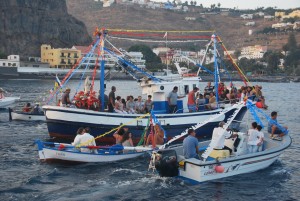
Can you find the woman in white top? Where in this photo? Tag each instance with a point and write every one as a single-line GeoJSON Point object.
{"type": "Point", "coordinates": [139, 105]}
{"type": "Point", "coordinates": [130, 105]}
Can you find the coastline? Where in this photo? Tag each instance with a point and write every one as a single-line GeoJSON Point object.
{"type": "Point", "coordinates": [12, 73]}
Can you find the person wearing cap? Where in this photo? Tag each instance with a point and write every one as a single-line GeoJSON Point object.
{"type": "Point", "coordinates": [172, 100]}
{"type": "Point", "coordinates": [65, 99]}
{"type": "Point", "coordinates": [190, 145]}
{"type": "Point", "coordinates": [192, 100]}
{"type": "Point", "coordinates": [218, 137]}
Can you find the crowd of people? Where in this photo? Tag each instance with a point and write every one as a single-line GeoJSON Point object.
{"type": "Point", "coordinates": [197, 100]}
{"type": "Point", "coordinates": [130, 105]}
{"type": "Point", "coordinates": [255, 138]}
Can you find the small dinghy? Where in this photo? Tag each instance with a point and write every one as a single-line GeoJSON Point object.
{"type": "Point", "coordinates": [219, 163]}
{"type": "Point", "coordinates": [51, 151]}
{"type": "Point", "coordinates": [25, 116]}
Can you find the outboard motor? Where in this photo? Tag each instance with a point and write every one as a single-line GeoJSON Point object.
{"type": "Point", "coordinates": [166, 163]}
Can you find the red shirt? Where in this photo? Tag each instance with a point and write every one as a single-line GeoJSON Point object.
{"type": "Point", "coordinates": [191, 98]}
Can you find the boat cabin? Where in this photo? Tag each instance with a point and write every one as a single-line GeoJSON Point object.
{"type": "Point", "coordinates": [160, 90]}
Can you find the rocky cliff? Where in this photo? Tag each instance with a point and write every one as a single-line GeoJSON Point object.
{"type": "Point", "coordinates": [26, 24]}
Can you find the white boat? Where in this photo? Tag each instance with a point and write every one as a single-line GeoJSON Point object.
{"type": "Point", "coordinates": [25, 116]}
{"type": "Point", "coordinates": [219, 164]}
{"type": "Point", "coordinates": [63, 122]}
{"type": "Point", "coordinates": [50, 151]}
{"type": "Point", "coordinates": [6, 101]}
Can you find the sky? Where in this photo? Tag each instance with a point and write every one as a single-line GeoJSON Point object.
{"type": "Point", "coordinates": [251, 4]}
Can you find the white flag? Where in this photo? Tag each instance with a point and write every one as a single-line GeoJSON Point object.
{"type": "Point", "coordinates": [166, 34]}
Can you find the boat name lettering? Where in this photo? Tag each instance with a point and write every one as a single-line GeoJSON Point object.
{"type": "Point", "coordinates": [210, 172]}
{"type": "Point", "coordinates": [60, 154]}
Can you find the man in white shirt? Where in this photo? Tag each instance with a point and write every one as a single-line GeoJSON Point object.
{"type": "Point", "coordinates": [252, 139]}
{"type": "Point", "coordinates": [85, 139]}
{"type": "Point", "coordinates": [218, 137]}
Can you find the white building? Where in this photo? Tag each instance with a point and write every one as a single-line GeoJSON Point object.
{"type": "Point", "coordinates": [11, 61]}
{"type": "Point", "coordinates": [250, 23]}
{"type": "Point", "coordinates": [269, 17]}
{"type": "Point", "coordinates": [253, 52]}
{"type": "Point", "coordinates": [247, 16]}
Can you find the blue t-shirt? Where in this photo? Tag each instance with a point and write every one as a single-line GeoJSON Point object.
{"type": "Point", "coordinates": [270, 124]}
{"type": "Point", "coordinates": [189, 147]}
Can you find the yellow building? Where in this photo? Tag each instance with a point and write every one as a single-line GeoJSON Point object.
{"type": "Point", "coordinates": [59, 58]}
{"type": "Point", "coordinates": [295, 13]}
{"type": "Point", "coordinates": [279, 14]}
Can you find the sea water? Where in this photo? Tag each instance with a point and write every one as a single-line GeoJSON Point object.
{"type": "Point", "coordinates": [24, 177]}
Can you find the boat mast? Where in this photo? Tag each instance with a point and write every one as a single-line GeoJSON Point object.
{"type": "Point", "coordinates": [216, 74]}
{"type": "Point", "coordinates": [102, 34]}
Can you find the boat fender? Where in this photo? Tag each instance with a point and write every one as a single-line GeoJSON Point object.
{"type": "Point", "coordinates": [219, 169]}
{"type": "Point", "coordinates": [259, 104]}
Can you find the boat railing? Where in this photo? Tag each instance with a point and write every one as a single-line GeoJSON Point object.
{"type": "Point", "coordinates": [202, 107]}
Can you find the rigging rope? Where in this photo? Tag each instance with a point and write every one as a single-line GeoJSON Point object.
{"type": "Point", "coordinates": [142, 140]}
{"type": "Point", "coordinates": [253, 109]}
{"type": "Point", "coordinates": [73, 70]}
{"type": "Point", "coordinates": [157, 41]}
{"type": "Point", "coordinates": [242, 75]}
{"type": "Point", "coordinates": [162, 31]}
{"type": "Point", "coordinates": [114, 129]}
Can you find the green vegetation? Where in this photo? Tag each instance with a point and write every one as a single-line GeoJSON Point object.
{"type": "Point", "coordinates": [3, 55]}
{"type": "Point", "coordinates": [153, 62]}
{"type": "Point", "coordinates": [292, 59]}
{"type": "Point", "coordinates": [291, 20]}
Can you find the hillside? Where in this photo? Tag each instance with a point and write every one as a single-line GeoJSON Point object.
{"type": "Point", "coordinates": [231, 29]}
{"type": "Point", "coordinates": [26, 24]}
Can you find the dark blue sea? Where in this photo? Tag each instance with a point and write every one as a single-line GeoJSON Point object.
{"type": "Point", "coordinates": [24, 177]}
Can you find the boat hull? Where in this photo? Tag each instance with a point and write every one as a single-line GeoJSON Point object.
{"type": "Point", "coordinates": [64, 122]}
{"type": "Point", "coordinates": [21, 116]}
{"type": "Point", "coordinates": [195, 171]}
{"type": "Point", "coordinates": [4, 102]}
{"type": "Point", "coordinates": [47, 154]}
{"type": "Point", "coordinates": [68, 153]}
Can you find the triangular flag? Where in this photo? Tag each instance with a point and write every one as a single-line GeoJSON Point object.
{"type": "Point", "coordinates": [166, 34]}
